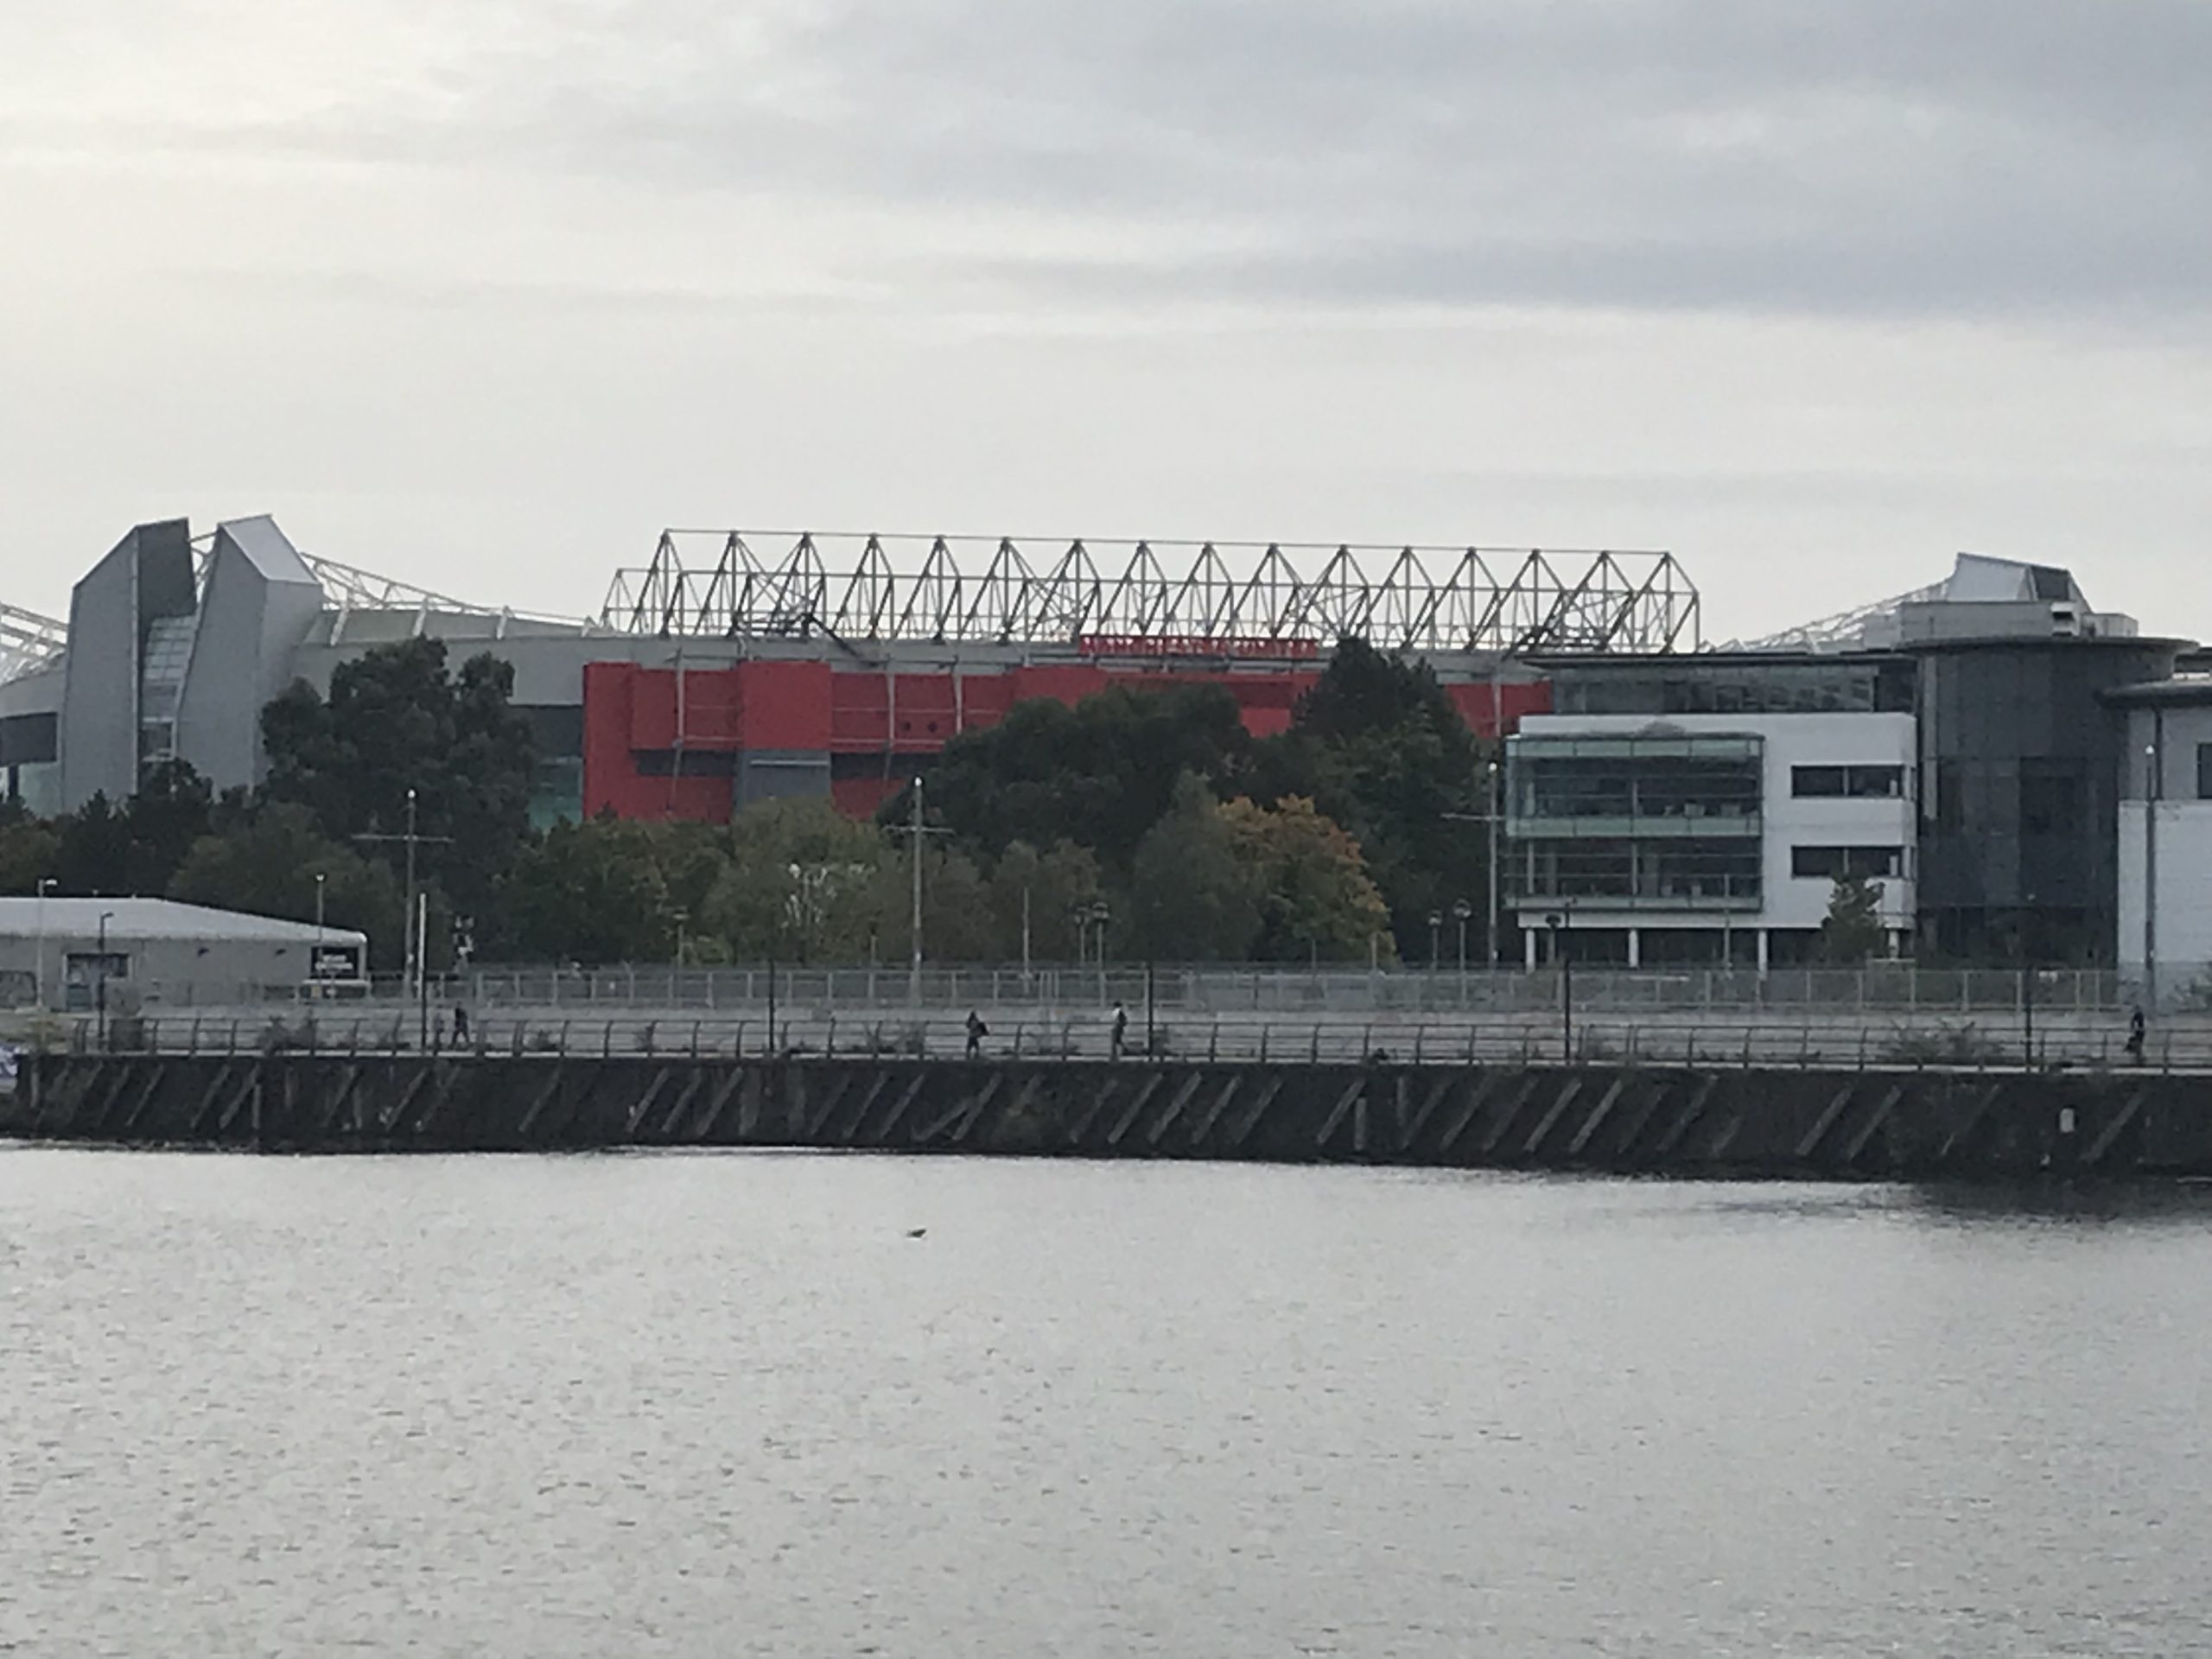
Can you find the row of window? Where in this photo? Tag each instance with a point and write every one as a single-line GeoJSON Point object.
{"type": "Point", "coordinates": [1848, 783]}
{"type": "Point", "coordinates": [1836, 863]}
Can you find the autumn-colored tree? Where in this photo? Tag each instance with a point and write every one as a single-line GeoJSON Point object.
{"type": "Point", "coordinates": [1317, 901]}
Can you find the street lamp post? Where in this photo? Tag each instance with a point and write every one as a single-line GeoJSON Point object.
{"type": "Point", "coordinates": [314, 963]}
{"type": "Point", "coordinates": [2152, 784]}
{"type": "Point", "coordinates": [1460, 913]}
{"type": "Point", "coordinates": [100, 992]}
{"type": "Point", "coordinates": [1488, 817]}
{"type": "Point", "coordinates": [918, 829]}
{"type": "Point", "coordinates": [1556, 922]}
{"type": "Point", "coordinates": [38, 993]}
{"type": "Point", "coordinates": [1435, 939]}
{"type": "Point", "coordinates": [914, 972]}
{"type": "Point", "coordinates": [1489, 923]}
{"type": "Point", "coordinates": [1100, 915]}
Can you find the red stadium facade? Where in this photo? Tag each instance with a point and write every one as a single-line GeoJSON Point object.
{"type": "Point", "coordinates": [669, 742]}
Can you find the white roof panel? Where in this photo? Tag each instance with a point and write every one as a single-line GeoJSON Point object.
{"type": "Point", "coordinates": [157, 918]}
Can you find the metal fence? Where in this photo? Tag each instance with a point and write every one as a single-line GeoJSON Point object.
{"type": "Point", "coordinates": [1883, 989]}
{"type": "Point", "coordinates": [1775, 1040]}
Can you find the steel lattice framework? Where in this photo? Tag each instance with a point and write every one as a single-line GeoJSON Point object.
{"type": "Point", "coordinates": [786, 584]}
{"type": "Point", "coordinates": [27, 640]}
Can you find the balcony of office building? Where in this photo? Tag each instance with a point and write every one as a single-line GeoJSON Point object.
{"type": "Point", "coordinates": [1634, 788]}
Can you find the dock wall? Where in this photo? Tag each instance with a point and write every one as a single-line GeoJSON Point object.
{"type": "Point", "coordinates": [1856, 1123]}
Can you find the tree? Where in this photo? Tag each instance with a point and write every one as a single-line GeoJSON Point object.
{"type": "Point", "coordinates": [93, 854]}
{"type": "Point", "coordinates": [1192, 898]}
{"type": "Point", "coordinates": [1100, 774]}
{"type": "Point", "coordinates": [1378, 747]}
{"type": "Point", "coordinates": [29, 851]}
{"type": "Point", "coordinates": [1853, 931]}
{"type": "Point", "coordinates": [173, 809]}
{"type": "Point", "coordinates": [801, 881]}
{"type": "Point", "coordinates": [268, 867]}
{"type": "Point", "coordinates": [1316, 899]}
{"type": "Point", "coordinates": [591, 892]}
{"type": "Point", "coordinates": [394, 721]}
{"type": "Point", "coordinates": [1051, 886]}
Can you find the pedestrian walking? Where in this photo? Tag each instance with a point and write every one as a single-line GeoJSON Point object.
{"type": "Point", "coordinates": [460, 1025]}
{"type": "Point", "coordinates": [2135, 1033]}
{"type": "Point", "coordinates": [977, 1031]}
{"type": "Point", "coordinates": [1121, 1029]}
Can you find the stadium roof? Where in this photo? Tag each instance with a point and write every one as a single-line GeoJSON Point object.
{"type": "Point", "coordinates": [1975, 579]}
{"type": "Point", "coordinates": [27, 640]}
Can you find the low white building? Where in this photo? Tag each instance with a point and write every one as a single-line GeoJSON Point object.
{"type": "Point", "coordinates": [1675, 832]}
{"type": "Point", "coordinates": [64, 953]}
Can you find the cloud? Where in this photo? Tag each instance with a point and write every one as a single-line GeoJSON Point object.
{"type": "Point", "coordinates": [1896, 157]}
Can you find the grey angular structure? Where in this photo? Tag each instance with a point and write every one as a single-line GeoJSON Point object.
{"type": "Point", "coordinates": [145, 580]}
{"type": "Point", "coordinates": [257, 602]}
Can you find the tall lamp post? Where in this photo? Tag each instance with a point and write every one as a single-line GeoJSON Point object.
{"type": "Point", "coordinates": [100, 992]}
{"type": "Point", "coordinates": [1100, 915]}
{"type": "Point", "coordinates": [1460, 913]}
{"type": "Point", "coordinates": [38, 993]}
{"type": "Point", "coordinates": [1488, 817]}
{"type": "Point", "coordinates": [1556, 922]}
{"type": "Point", "coordinates": [919, 830]}
{"type": "Point", "coordinates": [1490, 922]}
{"type": "Point", "coordinates": [2152, 784]}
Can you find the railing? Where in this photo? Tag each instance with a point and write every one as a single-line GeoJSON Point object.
{"type": "Point", "coordinates": [1842, 1041]}
{"type": "Point", "coordinates": [1880, 989]}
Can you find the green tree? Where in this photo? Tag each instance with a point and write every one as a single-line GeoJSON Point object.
{"type": "Point", "coordinates": [802, 880]}
{"type": "Point", "coordinates": [1100, 774]}
{"type": "Point", "coordinates": [93, 854]}
{"type": "Point", "coordinates": [1052, 884]}
{"type": "Point", "coordinates": [1852, 931]}
{"type": "Point", "coordinates": [1192, 897]}
{"type": "Point", "coordinates": [1315, 899]}
{"type": "Point", "coordinates": [394, 721]}
{"type": "Point", "coordinates": [593, 892]}
{"type": "Point", "coordinates": [957, 925]}
{"type": "Point", "coordinates": [267, 866]}
{"type": "Point", "coordinates": [30, 849]}
{"type": "Point", "coordinates": [173, 809]}
{"type": "Point", "coordinates": [1378, 747]}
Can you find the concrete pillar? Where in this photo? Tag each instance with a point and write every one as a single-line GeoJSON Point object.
{"type": "Point", "coordinates": [1763, 950]}
{"type": "Point", "coordinates": [1528, 947]}
{"type": "Point", "coordinates": [1636, 947]}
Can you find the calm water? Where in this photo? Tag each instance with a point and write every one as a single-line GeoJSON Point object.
{"type": "Point", "coordinates": [713, 1405]}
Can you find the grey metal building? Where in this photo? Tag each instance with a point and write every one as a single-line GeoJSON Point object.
{"type": "Point", "coordinates": [57, 953]}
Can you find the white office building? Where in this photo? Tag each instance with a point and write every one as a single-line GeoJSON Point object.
{"type": "Point", "coordinates": [1700, 811]}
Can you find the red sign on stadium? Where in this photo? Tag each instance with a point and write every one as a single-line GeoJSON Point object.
{"type": "Point", "coordinates": [1196, 645]}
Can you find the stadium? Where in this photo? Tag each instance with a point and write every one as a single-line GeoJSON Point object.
{"type": "Point", "coordinates": [1989, 748]}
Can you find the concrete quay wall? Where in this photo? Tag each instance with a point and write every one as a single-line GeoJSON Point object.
{"type": "Point", "coordinates": [1855, 1123]}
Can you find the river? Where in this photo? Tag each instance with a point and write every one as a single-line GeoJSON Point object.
{"type": "Point", "coordinates": [725, 1404]}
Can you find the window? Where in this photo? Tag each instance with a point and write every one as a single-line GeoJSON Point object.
{"type": "Point", "coordinates": [2204, 772]}
{"type": "Point", "coordinates": [1852, 783]}
{"type": "Point", "coordinates": [1834, 863]}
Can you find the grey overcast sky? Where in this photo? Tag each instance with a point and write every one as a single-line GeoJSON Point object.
{"type": "Point", "coordinates": [483, 293]}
